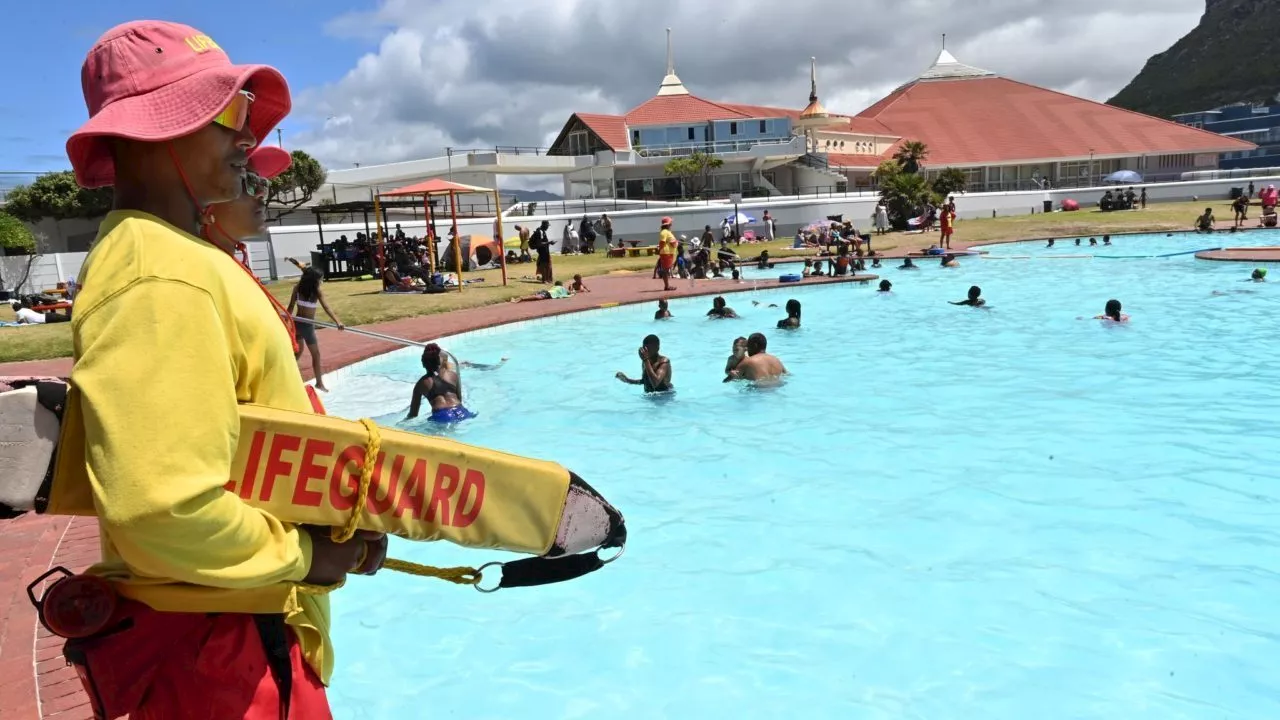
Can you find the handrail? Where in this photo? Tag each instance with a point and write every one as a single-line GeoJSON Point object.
{"type": "Point", "coordinates": [710, 148]}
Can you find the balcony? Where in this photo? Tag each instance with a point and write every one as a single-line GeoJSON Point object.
{"type": "Point", "coordinates": [726, 150]}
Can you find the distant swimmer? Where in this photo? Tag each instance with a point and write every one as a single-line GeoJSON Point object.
{"type": "Point", "coordinates": [886, 286]}
{"type": "Point", "coordinates": [441, 387]}
{"type": "Point", "coordinates": [949, 260]}
{"type": "Point", "coordinates": [719, 309]}
{"type": "Point", "coordinates": [908, 265]}
{"type": "Point", "coordinates": [1259, 275]}
{"type": "Point", "coordinates": [758, 364]}
{"type": "Point", "coordinates": [1111, 313]}
{"type": "Point", "coordinates": [654, 367]}
{"type": "Point", "coordinates": [1050, 243]}
{"type": "Point", "coordinates": [736, 357]}
{"type": "Point", "coordinates": [664, 312]}
{"type": "Point", "coordinates": [792, 321]}
{"type": "Point", "coordinates": [974, 299]}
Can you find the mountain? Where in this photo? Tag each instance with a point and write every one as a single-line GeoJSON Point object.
{"type": "Point", "coordinates": [1228, 58]}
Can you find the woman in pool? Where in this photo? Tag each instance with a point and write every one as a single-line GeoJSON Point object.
{"type": "Point", "coordinates": [441, 388]}
{"type": "Point", "coordinates": [974, 299]}
{"type": "Point", "coordinates": [720, 310]}
{"type": "Point", "coordinates": [792, 321]}
{"type": "Point", "coordinates": [736, 356]}
{"type": "Point", "coordinates": [306, 296]}
{"type": "Point", "coordinates": [664, 312]}
{"type": "Point", "coordinates": [1111, 313]}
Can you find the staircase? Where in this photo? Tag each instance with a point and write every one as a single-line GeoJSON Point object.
{"type": "Point", "coordinates": [817, 162]}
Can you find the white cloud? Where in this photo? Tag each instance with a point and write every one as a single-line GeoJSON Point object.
{"type": "Point", "coordinates": [479, 73]}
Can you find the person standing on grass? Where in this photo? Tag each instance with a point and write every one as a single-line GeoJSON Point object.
{"type": "Point", "coordinates": [541, 244]}
{"type": "Point", "coordinates": [209, 619]}
{"type": "Point", "coordinates": [666, 253]}
{"type": "Point", "coordinates": [306, 295]}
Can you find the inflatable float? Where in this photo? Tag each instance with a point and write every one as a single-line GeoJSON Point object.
{"type": "Point", "coordinates": [349, 475]}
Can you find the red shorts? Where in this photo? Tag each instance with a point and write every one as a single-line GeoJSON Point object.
{"type": "Point", "coordinates": [666, 261]}
{"type": "Point", "coordinates": [196, 666]}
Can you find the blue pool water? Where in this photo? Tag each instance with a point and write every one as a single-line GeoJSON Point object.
{"type": "Point", "coordinates": [944, 513]}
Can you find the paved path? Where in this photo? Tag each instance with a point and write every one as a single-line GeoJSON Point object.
{"type": "Point", "coordinates": [35, 681]}
{"type": "Point", "coordinates": [1256, 254]}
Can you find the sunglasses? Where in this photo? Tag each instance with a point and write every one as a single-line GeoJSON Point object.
{"type": "Point", "coordinates": [256, 185]}
{"type": "Point", "coordinates": [236, 113]}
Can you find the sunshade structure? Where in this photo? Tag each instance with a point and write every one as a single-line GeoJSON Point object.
{"type": "Point", "coordinates": [436, 187]}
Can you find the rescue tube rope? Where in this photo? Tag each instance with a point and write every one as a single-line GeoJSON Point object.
{"type": "Point", "coordinates": [457, 575]}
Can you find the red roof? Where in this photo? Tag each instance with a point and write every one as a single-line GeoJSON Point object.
{"type": "Point", "coordinates": [993, 120]}
{"type": "Point", "coordinates": [611, 129]}
{"type": "Point", "coordinates": [672, 109]}
{"type": "Point", "coordinates": [763, 111]}
{"type": "Point", "coordinates": [857, 161]}
{"type": "Point", "coordinates": [435, 186]}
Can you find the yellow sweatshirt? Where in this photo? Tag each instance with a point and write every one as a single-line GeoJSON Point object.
{"type": "Point", "coordinates": [170, 335]}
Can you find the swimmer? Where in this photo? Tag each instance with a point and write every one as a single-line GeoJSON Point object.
{"type": "Point", "coordinates": [792, 320]}
{"type": "Point", "coordinates": [1077, 242]}
{"type": "Point", "coordinates": [1050, 243]}
{"type": "Point", "coordinates": [758, 365]}
{"type": "Point", "coordinates": [1258, 275]}
{"type": "Point", "coordinates": [655, 368]}
{"type": "Point", "coordinates": [736, 356]}
{"type": "Point", "coordinates": [885, 286]}
{"type": "Point", "coordinates": [441, 387]}
{"type": "Point", "coordinates": [1111, 313]}
{"type": "Point", "coordinates": [664, 312]}
{"type": "Point", "coordinates": [974, 300]}
{"type": "Point", "coordinates": [720, 310]}
{"type": "Point", "coordinates": [908, 265]}
{"type": "Point", "coordinates": [1093, 241]}
{"type": "Point", "coordinates": [949, 261]}
{"type": "Point", "coordinates": [1106, 240]}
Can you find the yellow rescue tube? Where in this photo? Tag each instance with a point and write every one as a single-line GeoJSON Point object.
{"type": "Point", "coordinates": [306, 469]}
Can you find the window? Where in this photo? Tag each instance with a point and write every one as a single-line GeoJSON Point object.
{"type": "Point", "coordinates": [579, 143]}
{"type": "Point", "coordinates": [691, 133]}
{"type": "Point", "coordinates": [635, 137]}
{"type": "Point", "coordinates": [763, 124]}
{"type": "Point", "coordinates": [733, 128]}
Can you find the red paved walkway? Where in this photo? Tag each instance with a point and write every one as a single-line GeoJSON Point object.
{"type": "Point", "coordinates": [35, 681]}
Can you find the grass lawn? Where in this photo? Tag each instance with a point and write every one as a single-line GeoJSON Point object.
{"type": "Point", "coordinates": [362, 303]}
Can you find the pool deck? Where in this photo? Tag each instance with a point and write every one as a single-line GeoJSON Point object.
{"type": "Point", "coordinates": [1242, 254]}
{"type": "Point", "coordinates": [36, 683]}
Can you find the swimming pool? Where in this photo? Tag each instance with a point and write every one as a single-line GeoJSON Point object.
{"type": "Point", "coordinates": [944, 513]}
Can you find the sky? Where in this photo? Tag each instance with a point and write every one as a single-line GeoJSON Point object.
{"type": "Point", "coordinates": [386, 80]}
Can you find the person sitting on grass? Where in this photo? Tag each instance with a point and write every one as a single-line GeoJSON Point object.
{"type": "Point", "coordinates": [557, 292]}
{"type": "Point", "coordinates": [974, 299]}
{"type": "Point", "coordinates": [721, 310]}
{"type": "Point", "coordinates": [654, 367]}
{"type": "Point", "coordinates": [578, 286]}
{"type": "Point", "coordinates": [664, 312]}
{"type": "Point", "coordinates": [792, 321]}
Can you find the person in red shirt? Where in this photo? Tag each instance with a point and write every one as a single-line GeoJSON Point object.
{"type": "Point", "coordinates": [948, 226]}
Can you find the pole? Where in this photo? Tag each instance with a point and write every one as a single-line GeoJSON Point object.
{"type": "Point", "coordinates": [358, 331]}
{"type": "Point", "coordinates": [382, 252]}
{"type": "Point", "coordinates": [279, 139]}
{"type": "Point", "coordinates": [457, 241]}
{"type": "Point", "coordinates": [736, 232]}
{"type": "Point", "coordinates": [449, 153]}
{"type": "Point", "coordinates": [497, 234]}
{"type": "Point", "coordinates": [431, 241]}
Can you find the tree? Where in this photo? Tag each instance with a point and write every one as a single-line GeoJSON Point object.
{"type": "Point", "coordinates": [16, 239]}
{"type": "Point", "coordinates": [56, 195]}
{"type": "Point", "coordinates": [904, 194]}
{"type": "Point", "coordinates": [950, 181]}
{"type": "Point", "coordinates": [911, 156]}
{"type": "Point", "coordinates": [693, 170]}
{"type": "Point", "coordinates": [295, 186]}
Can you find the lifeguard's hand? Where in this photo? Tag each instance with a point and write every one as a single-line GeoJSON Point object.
{"type": "Point", "coordinates": [332, 561]}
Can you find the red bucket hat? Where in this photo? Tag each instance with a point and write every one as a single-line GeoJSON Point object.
{"type": "Point", "coordinates": [268, 161]}
{"type": "Point", "coordinates": [666, 221]}
{"type": "Point", "coordinates": [155, 81]}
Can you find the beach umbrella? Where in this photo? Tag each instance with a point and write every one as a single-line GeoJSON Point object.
{"type": "Point", "coordinates": [739, 219]}
{"type": "Point", "coordinates": [1123, 177]}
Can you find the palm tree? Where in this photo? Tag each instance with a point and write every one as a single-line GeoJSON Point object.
{"type": "Point", "coordinates": [911, 156]}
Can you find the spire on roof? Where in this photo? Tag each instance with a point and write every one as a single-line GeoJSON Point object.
{"type": "Point", "coordinates": [671, 84]}
{"type": "Point", "coordinates": [815, 109]}
{"type": "Point", "coordinates": [946, 67]}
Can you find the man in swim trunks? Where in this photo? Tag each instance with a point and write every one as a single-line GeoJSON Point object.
{"type": "Point", "coordinates": [720, 309]}
{"type": "Point", "coordinates": [758, 364]}
{"type": "Point", "coordinates": [441, 387]}
{"type": "Point", "coordinates": [167, 316]}
{"type": "Point", "coordinates": [974, 299]}
{"type": "Point", "coordinates": [666, 253]}
{"type": "Point", "coordinates": [655, 368]}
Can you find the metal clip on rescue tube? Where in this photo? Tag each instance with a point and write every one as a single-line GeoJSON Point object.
{"type": "Point", "coordinates": [311, 469]}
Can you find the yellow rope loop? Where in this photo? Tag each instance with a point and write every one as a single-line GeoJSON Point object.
{"type": "Point", "coordinates": [457, 575]}
{"type": "Point", "coordinates": [372, 447]}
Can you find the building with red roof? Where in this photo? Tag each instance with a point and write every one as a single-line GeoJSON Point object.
{"type": "Point", "coordinates": [1002, 133]}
